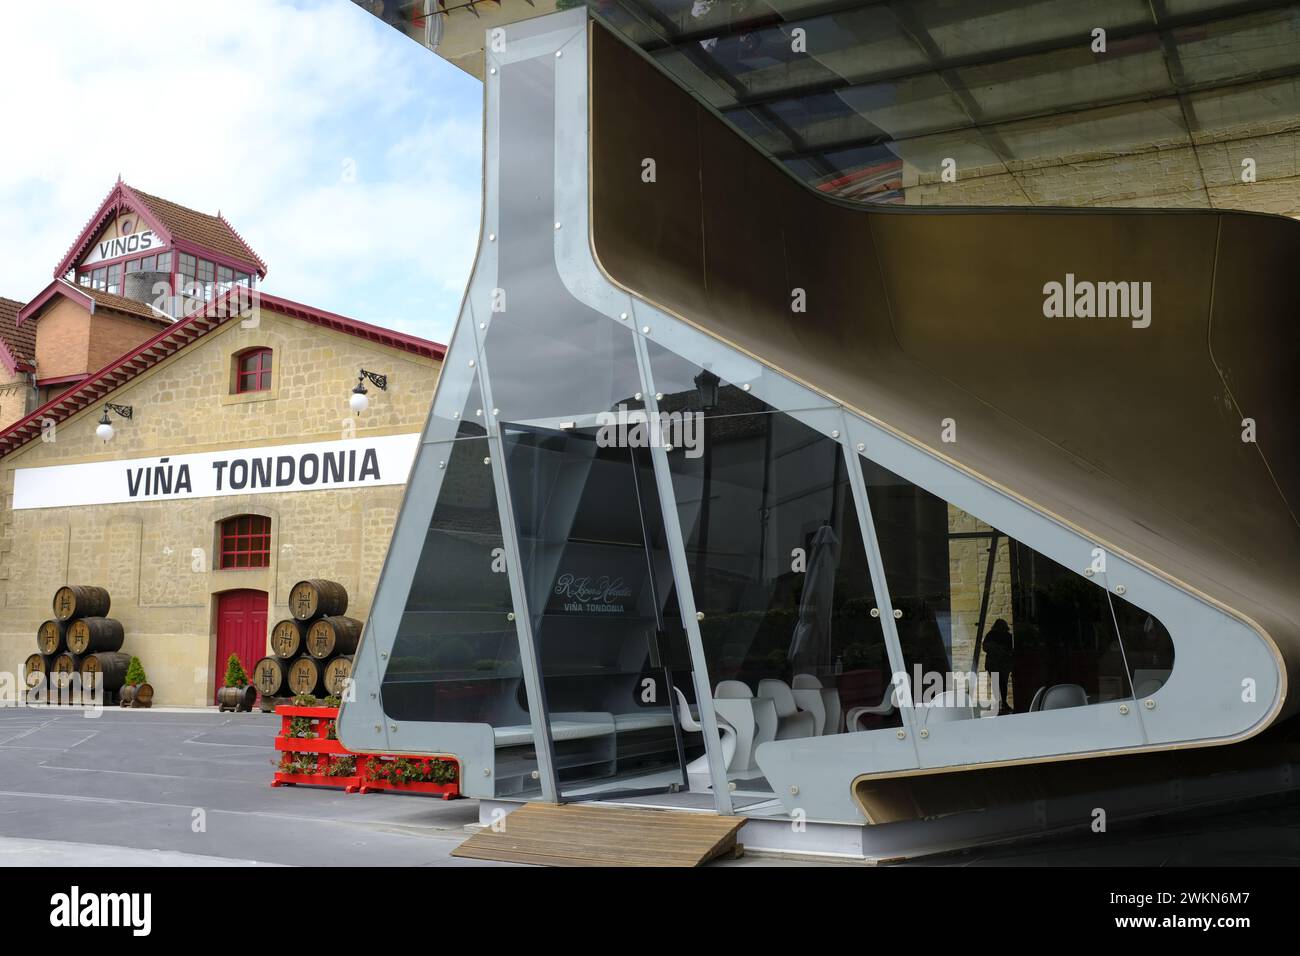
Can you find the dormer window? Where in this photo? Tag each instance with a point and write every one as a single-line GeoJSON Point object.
{"type": "Point", "coordinates": [253, 371]}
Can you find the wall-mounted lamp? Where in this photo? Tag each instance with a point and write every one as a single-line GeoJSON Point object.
{"type": "Point", "coordinates": [105, 429]}
{"type": "Point", "coordinates": [706, 386]}
{"type": "Point", "coordinates": [359, 400]}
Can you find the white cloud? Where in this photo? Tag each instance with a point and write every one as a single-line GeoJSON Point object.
{"type": "Point", "coordinates": [252, 107]}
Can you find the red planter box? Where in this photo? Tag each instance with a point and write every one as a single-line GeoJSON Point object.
{"type": "Point", "coordinates": [445, 790]}
{"type": "Point", "coordinates": [359, 781]}
{"type": "Point", "coordinates": [346, 784]}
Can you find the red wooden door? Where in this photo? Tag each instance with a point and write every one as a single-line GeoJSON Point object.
{"type": "Point", "coordinates": [241, 629]}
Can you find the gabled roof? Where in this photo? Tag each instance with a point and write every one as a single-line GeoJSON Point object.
{"type": "Point", "coordinates": [17, 344]}
{"type": "Point", "coordinates": [178, 225]}
{"type": "Point", "coordinates": [182, 333]}
{"type": "Point", "coordinates": [90, 300]}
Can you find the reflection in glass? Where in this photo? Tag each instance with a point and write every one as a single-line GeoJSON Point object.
{"type": "Point", "coordinates": [609, 637]}
{"type": "Point", "coordinates": [456, 654]}
{"type": "Point", "coordinates": [790, 629]}
{"type": "Point", "coordinates": [996, 626]}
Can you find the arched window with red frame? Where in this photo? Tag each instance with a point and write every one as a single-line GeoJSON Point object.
{"type": "Point", "coordinates": [253, 371]}
{"type": "Point", "coordinates": [245, 542]}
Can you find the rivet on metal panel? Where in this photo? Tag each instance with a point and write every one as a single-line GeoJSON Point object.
{"type": "Point", "coordinates": [875, 612]}
{"type": "Point", "coordinates": [1123, 708]}
{"type": "Point", "coordinates": [745, 387]}
{"type": "Point", "coordinates": [861, 447]}
{"type": "Point", "coordinates": [699, 615]}
{"type": "Point", "coordinates": [898, 614]}
{"type": "Point", "coordinates": [925, 734]}
{"type": "Point", "coordinates": [835, 433]}
{"type": "Point", "coordinates": [510, 615]}
{"type": "Point", "coordinates": [1149, 704]}
{"type": "Point", "coordinates": [1120, 589]}
{"type": "Point", "coordinates": [901, 734]}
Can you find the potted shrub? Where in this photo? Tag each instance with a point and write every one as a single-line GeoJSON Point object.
{"type": "Point", "coordinates": [237, 693]}
{"type": "Point", "coordinates": [137, 691]}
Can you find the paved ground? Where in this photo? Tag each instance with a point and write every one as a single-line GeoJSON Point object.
{"type": "Point", "coordinates": [122, 789]}
{"type": "Point", "coordinates": [125, 788]}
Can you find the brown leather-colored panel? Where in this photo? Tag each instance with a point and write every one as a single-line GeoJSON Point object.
{"type": "Point", "coordinates": [917, 315]}
{"type": "Point", "coordinates": [665, 215]}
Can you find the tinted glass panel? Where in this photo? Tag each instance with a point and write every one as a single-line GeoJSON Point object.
{"type": "Point", "coordinates": [608, 633]}
{"type": "Point", "coordinates": [779, 571]}
{"type": "Point", "coordinates": [549, 357]}
{"type": "Point", "coordinates": [993, 624]}
{"type": "Point", "coordinates": [456, 655]}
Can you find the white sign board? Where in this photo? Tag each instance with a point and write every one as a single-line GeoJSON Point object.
{"type": "Point", "coordinates": [320, 466]}
{"type": "Point", "coordinates": [142, 243]}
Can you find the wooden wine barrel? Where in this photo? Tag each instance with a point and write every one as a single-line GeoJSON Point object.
{"type": "Point", "coordinates": [237, 698]}
{"type": "Point", "coordinates": [287, 637]}
{"type": "Point", "coordinates": [271, 677]}
{"type": "Point", "coordinates": [337, 673]}
{"type": "Point", "coordinates": [106, 669]}
{"type": "Point", "coordinates": [89, 635]}
{"type": "Point", "coordinates": [126, 695]}
{"type": "Point", "coordinates": [50, 637]}
{"type": "Point", "coordinates": [80, 600]}
{"type": "Point", "coordinates": [36, 668]}
{"type": "Point", "coordinates": [306, 676]}
{"type": "Point", "coordinates": [315, 598]}
{"type": "Point", "coordinates": [66, 663]}
{"type": "Point", "coordinates": [333, 635]}
{"type": "Point", "coordinates": [143, 696]}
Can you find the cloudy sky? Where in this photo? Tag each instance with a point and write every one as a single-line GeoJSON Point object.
{"type": "Point", "coordinates": [347, 155]}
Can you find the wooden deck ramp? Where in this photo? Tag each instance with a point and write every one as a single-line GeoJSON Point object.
{"type": "Point", "coordinates": [547, 834]}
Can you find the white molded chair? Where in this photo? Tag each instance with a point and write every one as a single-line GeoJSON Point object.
{"type": "Point", "coordinates": [886, 706]}
{"type": "Point", "coordinates": [944, 709]}
{"type": "Point", "coordinates": [791, 722]}
{"type": "Point", "coordinates": [1061, 696]}
{"type": "Point", "coordinates": [822, 702]}
{"type": "Point", "coordinates": [697, 771]}
{"type": "Point", "coordinates": [754, 720]}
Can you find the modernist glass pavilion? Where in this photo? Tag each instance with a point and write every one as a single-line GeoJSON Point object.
{"type": "Point", "coordinates": [637, 559]}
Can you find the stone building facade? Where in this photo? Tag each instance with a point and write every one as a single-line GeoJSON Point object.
{"type": "Point", "coordinates": [76, 509]}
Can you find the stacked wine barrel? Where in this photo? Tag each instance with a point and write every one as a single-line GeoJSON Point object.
{"type": "Point", "coordinates": [80, 639]}
{"type": "Point", "coordinates": [311, 652]}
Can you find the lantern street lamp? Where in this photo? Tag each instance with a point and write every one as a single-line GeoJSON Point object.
{"type": "Point", "coordinates": [105, 428]}
{"type": "Point", "coordinates": [706, 387]}
{"type": "Point", "coordinates": [360, 401]}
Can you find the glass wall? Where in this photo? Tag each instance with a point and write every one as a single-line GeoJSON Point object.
{"type": "Point", "coordinates": [791, 628]}
{"type": "Point", "coordinates": [455, 656]}
{"type": "Point", "coordinates": [990, 626]}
